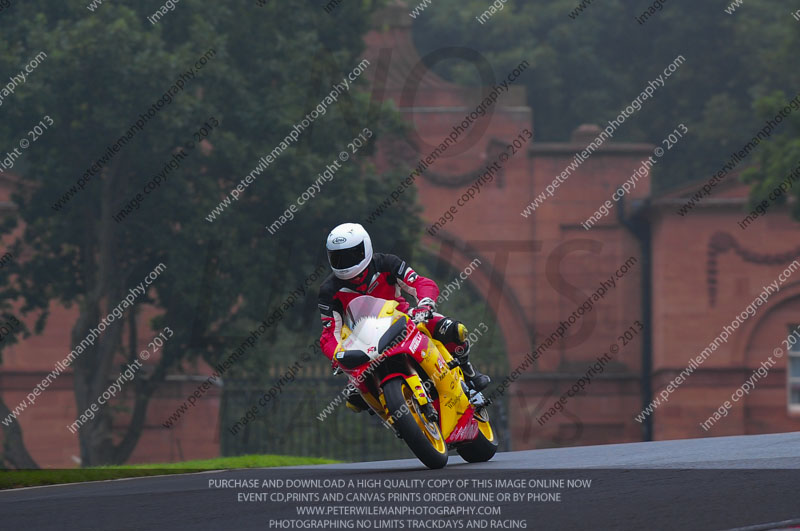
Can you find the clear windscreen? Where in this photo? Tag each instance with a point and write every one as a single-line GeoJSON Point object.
{"type": "Point", "coordinates": [360, 307]}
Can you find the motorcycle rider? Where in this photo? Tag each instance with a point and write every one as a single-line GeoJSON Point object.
{"type": "Point", "coordinates": [357, 271]}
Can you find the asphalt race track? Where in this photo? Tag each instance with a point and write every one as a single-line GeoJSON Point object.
{"type": "Point", "coordinates": [743, 482]}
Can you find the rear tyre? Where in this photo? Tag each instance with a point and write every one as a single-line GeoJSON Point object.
{"type": "Point", "coordinates": [482, 448]}
{"type": "Point", "coordinates": [423, 436]}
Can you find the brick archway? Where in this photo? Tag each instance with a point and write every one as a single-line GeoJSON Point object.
{"type": "Point", "coordinates": [489, 281]}
{"type": "Point", "coordinates": [497, 226]}
{"type": "Point", "coordinates": [758, 344]}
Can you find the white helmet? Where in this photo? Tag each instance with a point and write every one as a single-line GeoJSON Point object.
{"type": "Point", "coordinates": [349, 250]}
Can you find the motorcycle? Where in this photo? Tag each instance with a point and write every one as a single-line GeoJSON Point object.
{"type": "Point", "coordinates": [413, 384]}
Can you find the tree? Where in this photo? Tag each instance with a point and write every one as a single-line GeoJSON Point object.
{"type": "Point", "coordinates": [103, 71]}
{"type": "Point", "coordinates": [775, 173]}
{"type": "Point", "coordinates": [586, 67]}
{"type": "Point", "coordinates": [13, 452]}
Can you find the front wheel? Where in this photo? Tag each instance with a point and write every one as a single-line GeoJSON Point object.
{"type": "Point", "coordinates": [482, 448]}
{"type": "Point", "coordinates": [423, 436]}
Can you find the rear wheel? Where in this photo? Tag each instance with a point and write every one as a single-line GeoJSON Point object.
{"type": "Point", "coordinates": [421, 434]}
{"type": "Point", "coordinates": [482, 448]}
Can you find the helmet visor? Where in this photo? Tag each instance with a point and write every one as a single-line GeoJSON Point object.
{"type": "Point", "coordinates": [345, 258]}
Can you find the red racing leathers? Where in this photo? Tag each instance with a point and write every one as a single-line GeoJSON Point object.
{"type": "Point", "coordinates": [384, 278]}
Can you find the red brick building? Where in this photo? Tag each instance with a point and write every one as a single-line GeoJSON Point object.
{"type": "Point", "coordinates": [693, 274]}
{"type": "Point", "coordinates": [682, 277]}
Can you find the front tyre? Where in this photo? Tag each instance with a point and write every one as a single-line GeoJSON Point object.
{"type": "Point", "coordinates": [482, 448]}
{"type": "Point", "coordinates": [423, 436]}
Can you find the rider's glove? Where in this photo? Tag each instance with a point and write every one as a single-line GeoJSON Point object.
{"type": "Point", "coordinates": [424, 310]}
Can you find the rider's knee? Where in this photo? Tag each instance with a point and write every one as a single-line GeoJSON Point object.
{"type": "Point", "coordinates": [450, 331]}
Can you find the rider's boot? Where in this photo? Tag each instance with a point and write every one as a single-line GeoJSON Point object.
{"type": "Point", "coordinates": [475, 378]}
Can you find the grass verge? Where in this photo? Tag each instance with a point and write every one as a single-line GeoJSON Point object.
{"type": "Point", "coordinates": [10, 479]}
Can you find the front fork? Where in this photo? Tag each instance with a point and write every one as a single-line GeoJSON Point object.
{"type": "Point", "coordinates": [421, 396]}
